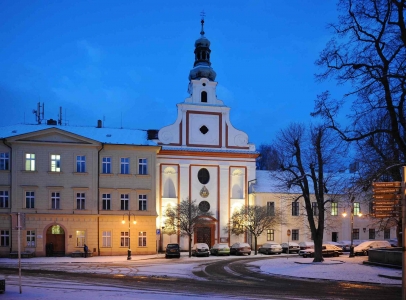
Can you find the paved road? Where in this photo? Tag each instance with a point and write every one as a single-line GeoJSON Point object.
{"type": "Point", "coordinates": [228, 277]}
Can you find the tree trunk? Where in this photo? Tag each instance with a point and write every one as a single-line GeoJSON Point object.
{"type": "Point", "coordinates": [255, 244]}
{"type": "Point", "coordinates": [318, 248]}
{"type": "Point", "coordinates": [190, 245]}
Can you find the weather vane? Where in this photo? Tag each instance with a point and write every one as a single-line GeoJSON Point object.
{"type": "Point", "coordinates": [202, 14]}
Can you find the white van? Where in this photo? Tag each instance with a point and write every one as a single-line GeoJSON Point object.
{"type": "Point", "coordinates": [362, 249]}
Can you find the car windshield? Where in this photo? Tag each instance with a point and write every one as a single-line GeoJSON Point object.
{"type": "Point", "coordinates": [172, 246]}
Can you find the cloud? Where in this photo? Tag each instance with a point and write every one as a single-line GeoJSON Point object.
{"type": "Point", "coordinates": [95, 54]}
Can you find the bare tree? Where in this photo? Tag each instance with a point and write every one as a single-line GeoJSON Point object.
{"type": "Point", "coordinates": [186, 217]}
{"type": "Point", "coordinates": [253, 219]}
{"type": "Point", "coordinates": [368, 54]}
{"type": "Point", "coordinates": [268, 159]}
{"type": "Point", "coordinates": [309, 159]}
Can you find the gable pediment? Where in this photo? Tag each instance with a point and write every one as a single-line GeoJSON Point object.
{"type": "Point", "coordinates": [53, 135]}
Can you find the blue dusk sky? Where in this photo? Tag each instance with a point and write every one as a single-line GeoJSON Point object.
{"type": "Point", "coordinates": [127, 62]}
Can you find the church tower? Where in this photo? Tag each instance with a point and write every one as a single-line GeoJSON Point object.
{"type": "Point", "coordinates": [203, 157]}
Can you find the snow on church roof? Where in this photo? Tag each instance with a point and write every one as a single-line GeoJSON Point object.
{"type": "Point", "coordinates": [103, 135]}
{"type": "Point", "coordinates": [190, 149]}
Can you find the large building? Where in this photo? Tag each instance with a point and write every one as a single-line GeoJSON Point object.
{"type": "Point", "coordinates": [87, 185]}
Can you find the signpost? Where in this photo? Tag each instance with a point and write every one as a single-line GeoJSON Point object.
{"type": "Point", "coordinates": [387, 196]}
{"type": "Point", "coordinates": [288, 234]}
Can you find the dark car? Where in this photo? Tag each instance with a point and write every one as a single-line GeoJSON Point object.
{"type": "Point", "coordinates": [327, 250]}
{"type": "Point", "coordinates": [293, 247]}
{"type": "Point", "coordinates": [172, 250]}
{"type": "Point", "coordinates": [240, 248]}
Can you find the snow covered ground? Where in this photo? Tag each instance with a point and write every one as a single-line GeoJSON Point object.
{"type": "Point", "coordinates": [340, 268]}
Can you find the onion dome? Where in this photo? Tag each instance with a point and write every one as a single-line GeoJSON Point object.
{"type": "Point", "coordinates": [202, 66]}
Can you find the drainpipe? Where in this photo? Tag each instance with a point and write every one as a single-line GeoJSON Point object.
{"type": "Point", "coordinates": [9, 196]}
{"type": "Point", "coordinates": [98, 199]}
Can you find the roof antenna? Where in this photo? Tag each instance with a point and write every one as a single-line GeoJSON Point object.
{"type": "Point", "coordinates": [202, 14]}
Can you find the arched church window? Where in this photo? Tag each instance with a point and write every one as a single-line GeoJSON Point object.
{"type": "Point", "coordinates": [204, 96]}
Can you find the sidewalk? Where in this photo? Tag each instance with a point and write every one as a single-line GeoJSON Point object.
{"type": "Point", "coordinates": [340, 268]}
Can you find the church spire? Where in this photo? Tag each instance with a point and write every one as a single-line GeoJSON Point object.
{"type": "Point", "coordinates": [202, 65]}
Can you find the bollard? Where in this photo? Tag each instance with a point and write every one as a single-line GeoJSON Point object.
{"type": "Point", "coordinates": [128, 254]}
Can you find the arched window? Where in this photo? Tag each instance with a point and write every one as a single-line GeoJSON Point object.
{"type": "Point", "coordinates": [204, 97]}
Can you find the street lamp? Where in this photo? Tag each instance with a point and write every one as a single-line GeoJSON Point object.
{"type": "Point", "coordinates": [129, 232]}
{"type": "Point", "coordinates": [352, 226]}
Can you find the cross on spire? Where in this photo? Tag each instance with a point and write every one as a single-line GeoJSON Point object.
{"type": "Point", "coordinates": [202, 14]}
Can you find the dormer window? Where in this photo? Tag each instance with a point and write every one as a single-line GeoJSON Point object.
{"type": "Point", "coordinates": [204, 97]}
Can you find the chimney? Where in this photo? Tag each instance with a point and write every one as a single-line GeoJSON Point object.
{"type": "Point", "coordinates": [99, 124]}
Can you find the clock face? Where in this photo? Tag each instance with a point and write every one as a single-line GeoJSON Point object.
{"type": "Point", "coordinates": [203, 175]}
{"type": "Point", "coordinates": [204, 206]}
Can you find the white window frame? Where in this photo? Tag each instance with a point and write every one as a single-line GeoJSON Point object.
{"type": "Point", "coordinates": [142, 202]}
{"type": "Point", "coordinates": [55, 200]}
{"type": "Point", "coordinates": [334, 208]}
{"type": "Point", "coordinates": [55, 163]}
{"type": "Point", "coordinates": [29, 162]}
{"type": "Point", "coordinates": [4, 238]}
{"type": "Point", "coordinates": [124, 201]}
{"type": "Point", "coordinates": [124, 239]}
{"type": "Point", "coordinates": [125, 165]}
{"type": "Point", "coordinates": [4, 199]}
{"type": "Point", "coordinates": [295, 208]}
{"type": "Point", "coordinates": [142, 239]}
{"type": "Point", "coordinates": [80, 163]}
{"type": "Point", "coordinates": [106, 201]}
{"type": "Point", "coordinates": [29, 199]}
{"type": "Point", "coordinates": [4, 161]}
{"type": "Point", "coordinates": [80, 238]}
{"type": "Point", "coordinates": [106, 165]}
{"type": "Point", "coordinates": [142, 166]}
{"type": "Point", "coordinates": [357, 208]}
{"type": "Point", "coordinates": [30, 238]}
{"type": "Point", "coordinates": [80, 200]}
{"type": "Point", "coordinates": [270, 234]}
{"type": "Point", "coordinates": [106, 239]}
{"type": "Point", "coordinates": [295, 234]}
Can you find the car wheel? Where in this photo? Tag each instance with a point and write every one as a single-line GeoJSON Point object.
{"type": "Point", "coordinates": [304, 255]}
{"type": "Point", "coordinates": [166, 256]}
{"type": "Point", "coordinates": [249, 253]}
{"type": "Point", "coordinates": [335, 254]}
{"type": "Point", "coordinates": [207, 255]}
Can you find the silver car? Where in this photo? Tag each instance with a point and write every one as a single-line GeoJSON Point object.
{"type": "Point", "coordinates": [270, 248]}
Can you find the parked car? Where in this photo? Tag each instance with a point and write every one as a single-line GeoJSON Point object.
{"type": "Point", "coordinates": [270, 248]}
{"type": "Point", "coordinates": [220, 249]}
{"type": "Point", "coordinates": [293, 247]}
{"type": "Point", "coordinates": [240, 248]}
{"type": "Point", "coordinates": [327, 250]}
{"type": "Point", "coordinates": [347, 244]}
{"type": "Point", "coordinates": [200, 249]}
{"type": "Point", "coordinates": [393, 242]}
{"type": "Point", "coordinates": [172, 250]}
{"type": "Point", "coordinates": [363, 248]}
{"type": "Point", "coordinates": [306, 245]}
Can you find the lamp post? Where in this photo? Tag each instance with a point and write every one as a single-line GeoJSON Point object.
{"type": "Point", "coordinates": [352, 227]}
{"type": "Point", "coordinates": [129, 232]}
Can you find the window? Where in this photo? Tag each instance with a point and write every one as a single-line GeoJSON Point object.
{"type": "Point", "coordinates": [204, 96]}
{"type": "Point", "coordinates": [106, 201]}
{"type": "Point", "coordinates": [4, 238]}
{"type": "Point", "coordinates": [315, 209]}
{"type": "Point", "coordinates": [142, 202]}
{"type": "Point", "coordinates": [295, 208]}
{"type": "Point", "coordinates": [4, 161]}
{"type": "Point", "coordinates": [357, 208]}
{"type": "Point", "coordinates": [355, 234]}
{"type": "Point", "coordinates": [106, 165]}
{"type": "Point", "coordinates": [80, 238]}
{"type": "Point", "coordinates": [80, 200]}
{"type": "Point", "coordinates": [142, 239]}
{"type": "Point", "coordinates": [386, 234]}
{"type": "Point", "coordinates": [124, 201]}
{"type": "Point", "coordinates": [30, 238]}
{"type": "Point", "coordinates": [142, 166]}
{"type": "Point", "coordinates": [125, 239]}
{"type": "Point", "coordinates": [55, 200]}
{"type": "Point", "coordinates": [29, 199]}
{"type": "Point", "coordinates": [270, 209]}
{"type": "Point", "coordinates": [81, 164]}
{"type": "Point", "coordinates": [295, 234]}
{"type": "Point", "coordinates": [371, 234]}
{"type": "Point", "coordinates": [125, 166]}
{"type": "Point", "coordinates": [106, 239]}
{"type": "Point", "coordinates": [29, 162]}
{"type": "Point", "coordinates": [270, 234]}
{"type": "Point", "coordinates": [334, 208]}
{"type": "Point", "coordinates": [3, 199]}
{"type": "Point", "coordinates": [55, 163]}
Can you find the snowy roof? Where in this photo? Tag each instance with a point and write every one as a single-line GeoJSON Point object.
{"type": "Point", "coordinates": [268, 182]}
{"type": "Point", "coordinates": [214, 150]}
{"type": "Point", "coordinates": [103, 135]}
